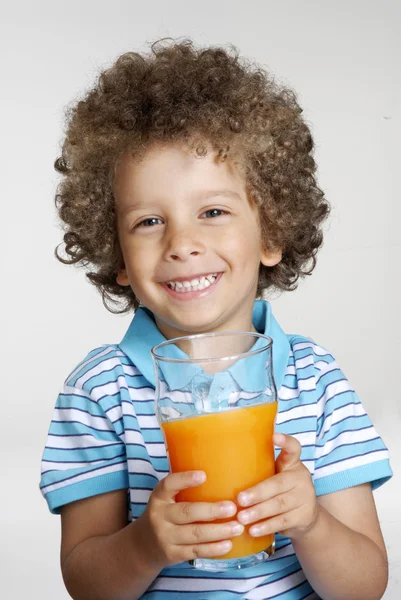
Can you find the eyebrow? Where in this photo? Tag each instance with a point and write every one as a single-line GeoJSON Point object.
{"type": "Point", "coordinates": [203, 195]}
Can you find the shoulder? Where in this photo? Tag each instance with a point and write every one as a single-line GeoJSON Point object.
{"type": "Point", "coordinates": [312, 368]}
{"type": "Point", "coordinates": [100, 372]}
{"type": "Point", "coordinates": [306, 353]}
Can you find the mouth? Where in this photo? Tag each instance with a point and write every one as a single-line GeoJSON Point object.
{"type": "Point", "coordinates": [200, 282]}
{"type": "Point", "coordinates": [188, 289]}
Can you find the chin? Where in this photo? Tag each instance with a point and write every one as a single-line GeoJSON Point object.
{"type": "Point", "coordinates": [189, 327]}
{"type": "Point", "coordinates": [196, 327]}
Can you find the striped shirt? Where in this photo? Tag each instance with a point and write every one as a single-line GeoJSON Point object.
{"type": "Point", "coordinates": [104, 436]}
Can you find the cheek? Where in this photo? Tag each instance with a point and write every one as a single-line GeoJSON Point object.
{"type": "Point", "coordinates": [138, 268]}
{"type": "Point", "coordinates": [138, 256]}
{"type": "Point", "coordinates": [242, 247]}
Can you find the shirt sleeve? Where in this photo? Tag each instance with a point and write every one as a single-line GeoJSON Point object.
{"type": "Point", "coordinates": [84, 453]}
{"type": "Point", "coordinates": [349, 451]}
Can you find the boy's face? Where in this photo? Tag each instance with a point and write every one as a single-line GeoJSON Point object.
{"type": "Point", "coordinates": [185, 223]}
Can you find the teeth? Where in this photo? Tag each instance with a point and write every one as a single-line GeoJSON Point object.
{"type": "Point", "coordinates": [193, 285]}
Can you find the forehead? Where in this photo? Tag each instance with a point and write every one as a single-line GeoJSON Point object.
{"type": "Point", "coordinates": [173, 170]}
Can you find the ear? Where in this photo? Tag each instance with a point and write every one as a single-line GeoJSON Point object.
{"type": "Point", "coordinates": [271, 258]}
{"type": "Point", "coordinates": [122, 277]}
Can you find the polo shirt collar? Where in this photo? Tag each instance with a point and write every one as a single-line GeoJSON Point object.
{"type": "Point", "coordinates": [143, 334]}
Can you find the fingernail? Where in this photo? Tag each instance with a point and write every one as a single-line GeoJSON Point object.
{"type": "Point", "coordinates": [255, 530]}
{"type": "Point", "coordinates": [199, 477]}
{"type": "Point", "coordinates": [225, 546]}
{"type": "Point", "coordinates": [245, 517]}
{"type": "Point", "coordinates": [228, 509]}
{"type": "Point", "coordinates": [278, 439]}
{"type": "Point", "coordinates": [237, 528]}
{"type": "Point", "coordinates": [244, 498]}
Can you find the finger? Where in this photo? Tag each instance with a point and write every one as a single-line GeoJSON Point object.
{"type": "Point", "coordinates": [264, 510]}
{"type": "Point", "coordinates": [181, 513]}
{"type": "Point", "coordinates": [278, 524]}
{"type": "Point", "coordinates": [169, 487]}
{"type": "Point", "coordinates": [269, 488]}
{"type": "Point", "coordinates": [290, 451]}
{"type": "Point", "coordinates": [202, 533]}
{"type": "Point", "coordinates": [206, 550]}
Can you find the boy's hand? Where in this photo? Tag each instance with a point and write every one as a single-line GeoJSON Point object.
{"type": "Point", "coordinates": [172, 531]}
{"type": "Point", "coordinates": [285, 502]}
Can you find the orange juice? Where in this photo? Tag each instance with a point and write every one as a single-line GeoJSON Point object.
{"type": "Point", "coordinates": [235, 450]}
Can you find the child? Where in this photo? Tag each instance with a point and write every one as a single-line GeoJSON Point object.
{"type": "Point", "coordinates": [189, 188]}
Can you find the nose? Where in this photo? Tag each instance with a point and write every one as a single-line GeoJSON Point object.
{"type": "Point", "coordinates": [183, 244]}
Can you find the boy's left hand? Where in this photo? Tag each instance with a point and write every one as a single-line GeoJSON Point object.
{"type": "Point", "coordinates": [284, 503]}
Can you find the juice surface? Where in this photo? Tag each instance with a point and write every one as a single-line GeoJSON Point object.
{"type": "Point", "coordinates": [235, 450]}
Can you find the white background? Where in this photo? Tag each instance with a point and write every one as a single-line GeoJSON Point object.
{"type": "Point", "coordinates": [343, 58]}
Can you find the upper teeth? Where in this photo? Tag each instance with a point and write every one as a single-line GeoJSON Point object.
{"type": "Point", "coordinates": [200, 283]}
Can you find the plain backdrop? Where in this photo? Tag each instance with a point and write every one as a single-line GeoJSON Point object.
{"type": "Point", "coordinates": [343, 58]}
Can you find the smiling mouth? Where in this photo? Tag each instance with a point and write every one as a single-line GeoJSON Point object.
{"type": "Point", "coordinates": [193, 285]}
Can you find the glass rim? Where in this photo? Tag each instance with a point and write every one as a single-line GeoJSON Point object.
{"type": "Point", "coordinates": [255, 334]}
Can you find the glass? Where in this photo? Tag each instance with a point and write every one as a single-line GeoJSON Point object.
{"type": "Point", "coordinates": [216, 403]}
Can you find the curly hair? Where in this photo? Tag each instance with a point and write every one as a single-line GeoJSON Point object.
{"type": "Point", "coordinates": [202, 97]}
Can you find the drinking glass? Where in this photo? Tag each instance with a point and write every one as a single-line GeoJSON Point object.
{"type": "Point", "coordinates": [216, 403]}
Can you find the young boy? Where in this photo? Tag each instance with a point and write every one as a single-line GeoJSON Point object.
{"type": "Point", "coordinates": [189, 187]}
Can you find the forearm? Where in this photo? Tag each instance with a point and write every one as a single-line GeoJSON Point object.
{"type": "Point", "coordinates": [113, 567]}
{"type": "Point", "coordinates": [339, 563]}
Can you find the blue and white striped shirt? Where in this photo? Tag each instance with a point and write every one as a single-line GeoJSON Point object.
{"type": "Point", "coordinates": [105, 436]}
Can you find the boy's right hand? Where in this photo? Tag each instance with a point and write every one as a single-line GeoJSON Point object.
{"type": "Point", "coordinates": [171, 531]}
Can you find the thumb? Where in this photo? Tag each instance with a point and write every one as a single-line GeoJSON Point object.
{"type": "Point", "coordinates": [168, 488]}
{"type": "Point", "coordinates": [290, 451]}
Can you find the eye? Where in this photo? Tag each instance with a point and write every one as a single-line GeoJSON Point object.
{"type": "Point", "coordinates": [215, 212]}
{"type": "Point", "coordinates": [151, 222]}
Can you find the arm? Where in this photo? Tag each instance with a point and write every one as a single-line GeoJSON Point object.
{"type": "Point", "coordinates": [103, 558]}
{"type": "Point", "coordinates": [337, 537]}
{"type": "Point", "coordinates": [343, 555]}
